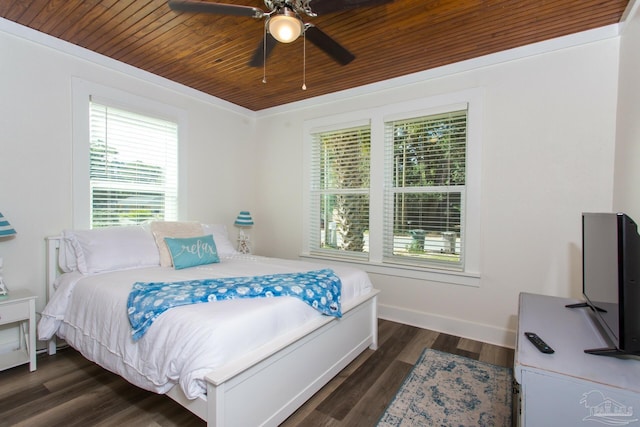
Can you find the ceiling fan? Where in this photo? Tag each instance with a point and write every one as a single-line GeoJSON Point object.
{"type": "Point", "coordinates": [283, 22]}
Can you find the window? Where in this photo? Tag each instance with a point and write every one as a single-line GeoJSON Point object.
{"type": "Point", "coordinates": [133, 167]}
{"type": "Point", "coordinates": [399, 190]}
{"type": "Point", "coordinates": [425, 171]}
{"type": "Point", "coordinates": [126, 153]}
{"type": "Point", "coordinates": [340, 190]}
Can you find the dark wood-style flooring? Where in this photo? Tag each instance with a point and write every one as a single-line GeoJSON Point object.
{"type": "Point", "coordinates": [68, 390]}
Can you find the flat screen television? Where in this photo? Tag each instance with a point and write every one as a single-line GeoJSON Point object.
{"type": "Point", "coordinates": [610, 282]}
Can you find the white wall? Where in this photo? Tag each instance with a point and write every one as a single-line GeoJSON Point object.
{"type": "Point", "coordinates": [36, 145]}
{"type": "Point", "coordinates": [627, 162]}
{"type": "Point", "coordinates": [548, 153]}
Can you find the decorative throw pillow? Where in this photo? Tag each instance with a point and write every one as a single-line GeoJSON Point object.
{"type": "Point", "coordinates": [192, 251]}
{"type": "Point", "coordinates": [162, 229]}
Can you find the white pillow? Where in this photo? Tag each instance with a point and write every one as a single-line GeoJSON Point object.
{"type": "Point", "coordinates": [221, 238]}
{"type": "Point", "coordinates": [67, 256]}
{"type": "Point", "coordinates": [112, 248]}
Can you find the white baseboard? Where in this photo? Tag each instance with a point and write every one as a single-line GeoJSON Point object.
{"type": "Point", "coordinates": [449, 325]}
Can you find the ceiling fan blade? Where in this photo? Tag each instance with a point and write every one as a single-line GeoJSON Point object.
{"type": "Point", "coordinates": [329, 45]}
{"type": "Point", "coordinates": [322, 7]}
{"type": "Point", "coordinates": [259, 55]}
{"type": "Point", "coordinates": [217, 8]}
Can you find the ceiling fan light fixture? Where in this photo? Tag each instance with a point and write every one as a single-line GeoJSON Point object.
{"type": "Point", "coordinates": [285, 26]}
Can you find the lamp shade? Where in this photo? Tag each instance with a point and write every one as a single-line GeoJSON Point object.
{"type": "Point", "coordinates": [244, 219]}
{"type": "Point", "coordinates": [285, 26]}
{"type": "Point", "coordinates": [5, 228]}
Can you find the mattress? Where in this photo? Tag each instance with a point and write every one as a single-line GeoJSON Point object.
{"type": "Point", "coordinates": [185, 343]}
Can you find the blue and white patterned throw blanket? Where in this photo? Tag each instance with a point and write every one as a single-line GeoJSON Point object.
{"type": "Point", "coordinates": [320, 289]}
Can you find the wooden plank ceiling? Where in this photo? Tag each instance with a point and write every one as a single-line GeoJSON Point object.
{"type": "Point", "coordinates": [210, 53]}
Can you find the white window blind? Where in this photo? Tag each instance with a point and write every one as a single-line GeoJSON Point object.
{"type": "Point", "coordinates": [425, 173]}
{"type": "Point", "coordinates": [340, 168]}
{"type": "Point", "coordinates": [133, 167]}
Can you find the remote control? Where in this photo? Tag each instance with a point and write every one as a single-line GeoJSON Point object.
{"type": "Point", "coordinates": [537, 341]}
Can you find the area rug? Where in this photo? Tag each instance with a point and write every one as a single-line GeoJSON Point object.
{"type": "Point", "coordinates": [444, 389]}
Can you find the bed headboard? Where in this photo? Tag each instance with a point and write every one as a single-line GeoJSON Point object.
{"type": "Point", "coordinates": [53, 246]}
{"type": "Point", "coordinates": [53, 271]}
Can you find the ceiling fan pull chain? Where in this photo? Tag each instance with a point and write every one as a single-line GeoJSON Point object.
{"type": "Point", "coordinates": [264, 54]}
{"type": "Point", "coordinates": [304, 60]}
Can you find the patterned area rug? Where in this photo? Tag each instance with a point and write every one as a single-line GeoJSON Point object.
{"type": "Point", "coordinates": [444, 389]}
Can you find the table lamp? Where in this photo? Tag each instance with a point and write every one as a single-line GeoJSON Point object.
{"type": "Point", "coordinates": [243, 221]}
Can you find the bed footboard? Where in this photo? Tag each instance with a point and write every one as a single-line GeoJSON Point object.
{"type": "Point", "coordinates": [265, 387]}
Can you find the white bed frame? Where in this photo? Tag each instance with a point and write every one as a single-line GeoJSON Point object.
{"type": "Point", "coordinates": [267, 385]}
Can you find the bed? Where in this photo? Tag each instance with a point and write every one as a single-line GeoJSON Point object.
{"type": "Point", "coordinates": [237, 362]}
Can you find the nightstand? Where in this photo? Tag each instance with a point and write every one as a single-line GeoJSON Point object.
{"type": "Point", "coordinates": [20, 308]}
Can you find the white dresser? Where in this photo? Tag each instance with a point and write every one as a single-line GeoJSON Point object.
{"type": "Point", "coordinates": [570, 387]}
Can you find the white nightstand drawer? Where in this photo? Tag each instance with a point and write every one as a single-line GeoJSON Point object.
{"type": "Point", "coordinates": [14, 312]}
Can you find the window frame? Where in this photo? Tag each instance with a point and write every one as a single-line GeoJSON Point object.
{"type": "Point", "coordinates": [473, 99]}
{"type": "Point", "coordinates": [82, 93]}
{"type": "Point", "coordinates": [390, 190]}
{"type": "Point", "coordinates": [316, 192]}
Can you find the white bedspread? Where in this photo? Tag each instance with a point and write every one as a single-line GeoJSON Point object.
{"type": "Point", "coordinates": [184, 343]}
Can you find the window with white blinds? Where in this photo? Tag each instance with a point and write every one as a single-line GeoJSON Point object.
{"type": "Point", "coordinates": [133, 167]}
{"type": "Point", "coordinates": [397, 187]}
{"type": "Point", "coordinates": [425, 176]}
{"type": "Point", "coordinates": [339, 214]}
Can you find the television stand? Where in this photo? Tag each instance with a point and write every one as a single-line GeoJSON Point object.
{"type": "Point", "coordinates": [577, 305]}
{"type": "Point", "coordinates": [584, 305]}
{"type": "Point", "coordinates": [570, 387]}
{"type": "Point", "coordinates": [603, 351]}
{"type": "Point", "coordinates": [606, 351]}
